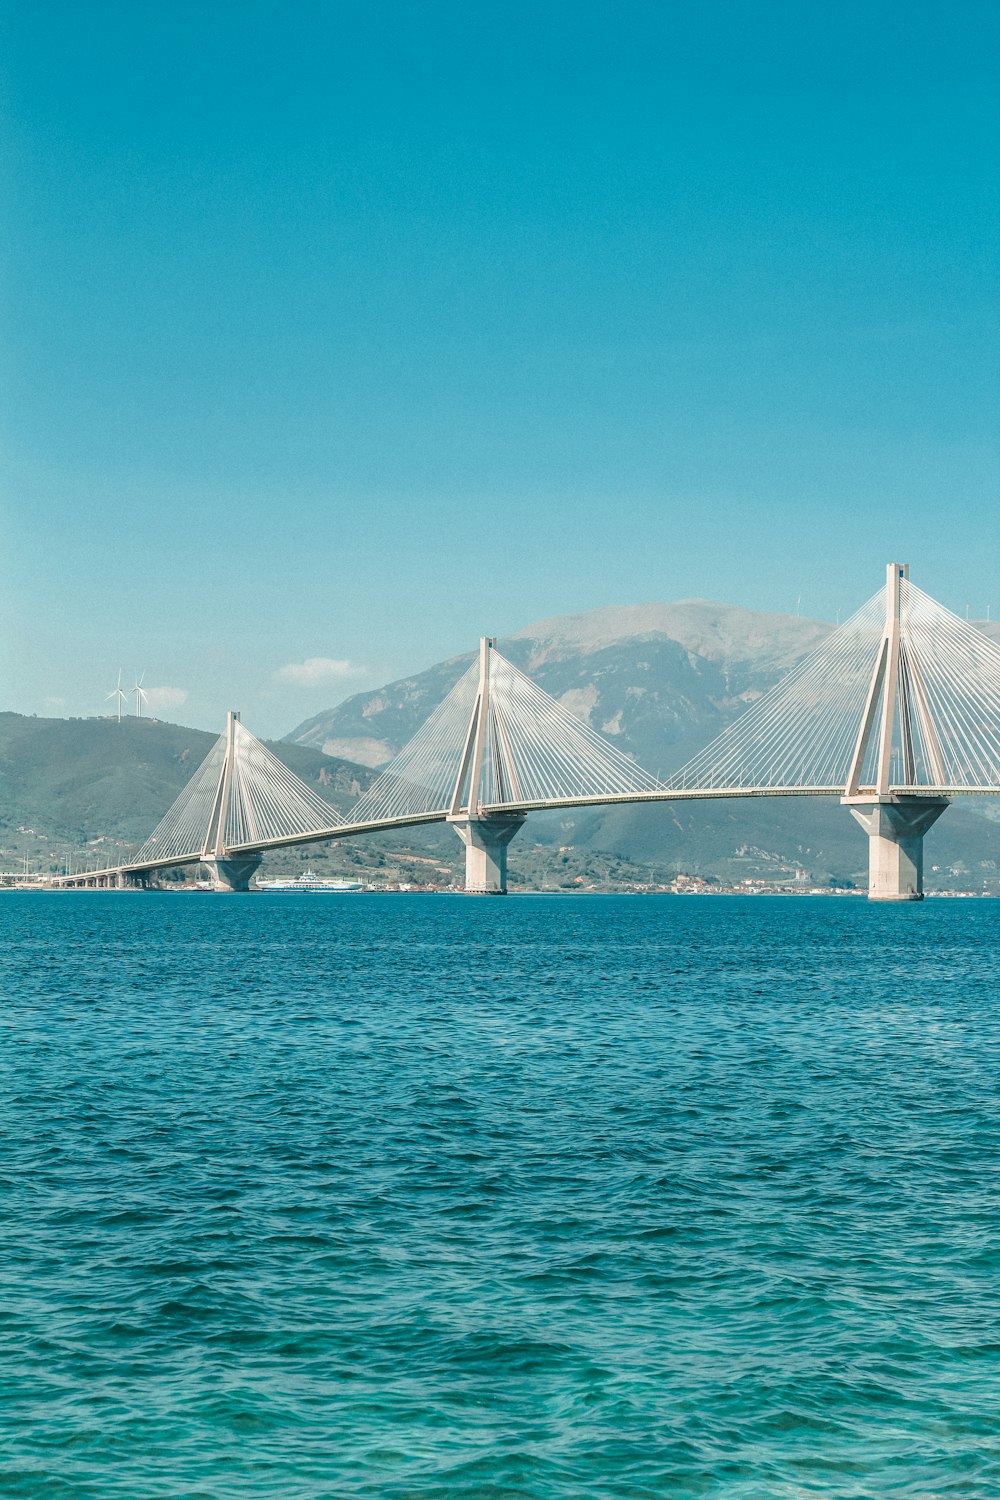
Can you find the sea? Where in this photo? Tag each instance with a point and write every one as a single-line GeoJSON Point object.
{"type": "Point", "coordinates": [430, 1197]}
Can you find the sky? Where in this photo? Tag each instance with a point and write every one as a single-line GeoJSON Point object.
{"type": "Point", "coordinates": [335, 336]}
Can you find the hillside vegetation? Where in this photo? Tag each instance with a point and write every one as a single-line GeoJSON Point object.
{"type": "Point", "coordinates": [76, 781]}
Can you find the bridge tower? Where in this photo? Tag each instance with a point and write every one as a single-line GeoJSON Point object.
{"type": "Point", "coordinates": [485, 836]}
{"type": "Point", "coordinates": [227, 872]}
{"type": "Point", "coordinates": [898, 711]}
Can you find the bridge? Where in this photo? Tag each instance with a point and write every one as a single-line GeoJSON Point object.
{"type": "Point", "coordinates": [896, 712]}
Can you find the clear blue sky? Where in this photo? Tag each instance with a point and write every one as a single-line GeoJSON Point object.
{"type": "Point", "coordinates": [350, 332]}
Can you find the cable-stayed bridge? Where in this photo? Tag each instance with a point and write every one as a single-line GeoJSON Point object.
{"type": "Point", "coordinates": [896, 712]}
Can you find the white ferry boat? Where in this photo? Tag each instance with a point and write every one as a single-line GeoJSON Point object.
{"type": "Point", "coordinates": [316, 884]}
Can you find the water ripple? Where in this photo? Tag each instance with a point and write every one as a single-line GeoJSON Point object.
{"type": "Point", "coordinates": [420, 1197]}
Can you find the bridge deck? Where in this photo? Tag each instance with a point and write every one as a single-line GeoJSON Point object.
{"type": "Point", "coordinates": [414, 820]}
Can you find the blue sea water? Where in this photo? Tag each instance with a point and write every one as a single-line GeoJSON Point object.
{"type": "Point", "coordinates": [416, 1196]}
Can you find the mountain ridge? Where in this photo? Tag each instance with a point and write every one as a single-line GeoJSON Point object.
{"type": "Point", "coordinates": [696, 624]}
{"type": "Point", "coordinates": [708, 653]}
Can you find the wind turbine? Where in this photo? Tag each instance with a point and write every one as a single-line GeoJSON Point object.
{"type": "Point", "coordinates": [117, 693]}
{"type": "Point", "coordinates": [140, 696]}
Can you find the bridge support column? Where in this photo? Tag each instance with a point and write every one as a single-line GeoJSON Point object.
{"type": "Point", "coordinates": [486, 841]}
{"type": "Point", "coordinates": [895, 827]}
{"type": "Point", "coordinates": [232, 874]}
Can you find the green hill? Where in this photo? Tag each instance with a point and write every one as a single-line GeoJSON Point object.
{"type": "Point", "coordinates": [74, 782]}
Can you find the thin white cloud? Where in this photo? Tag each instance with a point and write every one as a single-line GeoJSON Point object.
{"type": "Point", "coordinates": [316, 671]}
{"type": "Point", "coordinates": [165, 697]}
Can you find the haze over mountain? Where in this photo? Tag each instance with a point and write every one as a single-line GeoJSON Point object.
{"type": "Point", "coordinates": [660, 679]}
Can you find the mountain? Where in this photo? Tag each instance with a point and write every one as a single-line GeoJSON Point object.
{"type": "Point", "coordinates": [660, 680]}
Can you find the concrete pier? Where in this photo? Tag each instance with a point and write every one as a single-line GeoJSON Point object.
{"type": "Point", "coordinates": [486, 841]}
{"type": "Point", "coordinates": [895, 825]}
{"type": "Point", "coordinates": [234, 873]}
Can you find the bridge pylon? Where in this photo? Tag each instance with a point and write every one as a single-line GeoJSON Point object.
{"type": "Point", "coordinates": [495, 748]}
{"type": "Point", "coordinates": [227, 872]}
{"type": "Point", "coordinates": [240, 801]}
{"type": "Point", "coordinates": [896, 725]}
{"type": "Point", "coordinates": [895, 712]}
{"type": "Point", "coordinates": [485, 835]}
